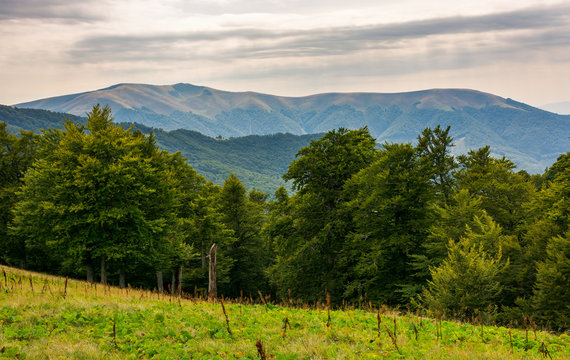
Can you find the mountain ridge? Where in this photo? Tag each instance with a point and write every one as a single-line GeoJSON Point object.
{"type": "Point", "coordinates": [531, 137]}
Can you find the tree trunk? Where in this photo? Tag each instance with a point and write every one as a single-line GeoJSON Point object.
{"type": "Point", "coordinates": [89, 273]}
{"type": "Point", "coordinates": [159, 282]}
{"type": "Point", "coordinates": [173, 282]}
{"type": "Point", "coordinates": [212, 289]}
{"type": "Point", "coordinates": [204, 256]}
{"type": "Point", "coordinates": [122, 279]}
{"type": "Point", "coordinates": [180, 280]}
{"type": "Point", "coordinates": [103, 271]}
{"type": "Point", "coordinates": [22, 263]}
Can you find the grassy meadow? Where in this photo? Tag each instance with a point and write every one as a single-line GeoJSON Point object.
{"type": "Point", "coordinates": [47, 317]}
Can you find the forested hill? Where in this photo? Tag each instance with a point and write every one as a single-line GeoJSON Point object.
{"type": "Point", "coordinates": [34, 119]}
{"type": "Point", "coordinates": [259, 161]}
{"type": "Point", "coordinates": [531, 137]}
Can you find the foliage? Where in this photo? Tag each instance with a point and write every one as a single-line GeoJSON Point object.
{"type": "Point", "coordinates": [390, 202]}
{"type": "Point", "coordinates": [551, 299]}
{"type": "Point", "coordinates": [243, 216]}
{"type": "Point", "coordinates": [99, 192]}
{"type": "Point", "coordinates": [16, 155]}
{"type": "Point", "coordinates": [502, 190]}
{"type": "Point", "coordinates": [467, 282]}
{"type": "Point", "coordinates": [310, 257]}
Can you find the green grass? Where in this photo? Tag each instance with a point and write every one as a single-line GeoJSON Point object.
{"type": "Point", "coordinates": [86, 321]}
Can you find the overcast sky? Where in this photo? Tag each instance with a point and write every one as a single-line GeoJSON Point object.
{"type": "Point", "coordinates": [512, 48]}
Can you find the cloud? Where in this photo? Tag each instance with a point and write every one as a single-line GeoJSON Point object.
{"type": "Point", "coordinates": [548, 26]}
{"type": "Point", "coordinates": [51, 9]}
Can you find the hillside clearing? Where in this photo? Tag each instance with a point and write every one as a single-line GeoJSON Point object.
{"type": "Point", "coordinates": [42, 318]}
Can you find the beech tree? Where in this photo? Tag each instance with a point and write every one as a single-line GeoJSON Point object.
{"type": "Point", "coordinates": [391, 201]}
{"type": "Point", "coordinates": [310, 253]}
{"type": "Point", "coordinates": [16, 154]}
{"type": "Point", "coordinates": [98, 193]}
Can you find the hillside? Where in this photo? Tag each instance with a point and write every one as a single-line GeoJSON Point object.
{"type": "Point", "coordinates": [531, 137]}
{"type": "Point", "coordinates": [34, 119]}
{"type": "Point", "coordinates": [47, 317]}
{"type": "Point", "coordinates": [259, 161]}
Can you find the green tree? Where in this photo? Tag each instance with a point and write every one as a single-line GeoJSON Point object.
{"type": "Point", "coordinates": [16, 154]}
{"type": "Point", "coordinates": [99, 193]}
{"type": "Point", "coordinates": [203, 226]}
{"type": "Point", "coordinates": [309, 253]}
{"type": "Point", "coordinates": [467, 282]}
{"type": "Point", "coordinates": [245, 218]}
{"type": "Point", "coordinates": [503, 192]}
{"type": "Point", "coordinates": [451, 222]}
{"type": "Point", "coordinates": [551, 299]}
{"type": "Point", "coordinates": [548, 215]}
{"type": "Point", "coordinates": [391, 202]}
{"type": "Point", "coordinates": [435, 149]}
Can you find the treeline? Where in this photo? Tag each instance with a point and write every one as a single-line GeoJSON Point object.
{"type": "Point", "coordinates": [403, 225]}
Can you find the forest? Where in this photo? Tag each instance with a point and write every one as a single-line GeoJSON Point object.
{"type": "Point", "coordinates": [400, 224]}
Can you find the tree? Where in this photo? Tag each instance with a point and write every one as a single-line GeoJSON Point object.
{"type": "Point", "coordinates": [434, 147]}
{"type": "Point", "coordinates": [245, 218]}
{"type": "Point", "coordinates": [466, 283]}
{"type": "Point", "coordinates": [16, 155]}
{"type": "Point", "coordinates": [551, 299]}
{"type": "Point", "coordinates": [451, 222]}
{"type": "Point", "coordinates": [98, 192]}
{"type": "Point", "coordinates": [503, 192]}
{"type": "Point", "coordinates": [548, 215]}
{"type": "Point", "coordinates": [309, 253]}
{"type": "Point", "coordinates": [391, 202]}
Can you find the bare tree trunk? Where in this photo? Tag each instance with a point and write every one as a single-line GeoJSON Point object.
{"type": "Point", "coordinates": [89, 273]}
{"type": "Point", "coordinates": [159, 282]}
{"type": "Point", "coordinates": [122, 279]}
{"type": "Point", "coordinates": [180, 279]}
{"type": "Point", "coordinates": [212, 289]}
{"type": "Point", "coordinates": [103, 271]}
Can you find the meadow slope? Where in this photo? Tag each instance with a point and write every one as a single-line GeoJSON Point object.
{"type": "Point", "coordinates": [47, 317]}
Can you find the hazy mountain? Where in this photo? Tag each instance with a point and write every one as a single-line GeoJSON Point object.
{"type": "Point", "coordinates": [531, 137]}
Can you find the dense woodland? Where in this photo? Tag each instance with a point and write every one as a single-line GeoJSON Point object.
{"type": "Point", "coordinates": [400, 224]}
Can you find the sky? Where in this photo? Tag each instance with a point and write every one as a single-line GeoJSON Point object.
{"type": "Point", "coordinates": [512, 48]}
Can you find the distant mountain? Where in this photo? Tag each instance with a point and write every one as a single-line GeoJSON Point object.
{"type": "Point", "coordinates": [531, 137]}
{"type": "Point", "coordinates": [259, 161]}
{"type": "Point", "coordinates": [562, 108]}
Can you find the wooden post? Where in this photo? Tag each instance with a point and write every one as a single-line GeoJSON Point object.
{"type": "Point", "coordinates": [212, 289]}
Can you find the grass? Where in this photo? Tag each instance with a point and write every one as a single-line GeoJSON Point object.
{"type": "Point", "coordinates": [95, 322]}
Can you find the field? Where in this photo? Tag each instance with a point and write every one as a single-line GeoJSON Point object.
{"type": "Point", "coordinates": [45, 317]}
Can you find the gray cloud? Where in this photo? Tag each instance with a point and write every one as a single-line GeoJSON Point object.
{"type": "Point", "coordinates": [50, 9]}
{"type": "Point", "coordinates": [550, 26]}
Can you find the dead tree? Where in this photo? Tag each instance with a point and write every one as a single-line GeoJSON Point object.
{"type": "Point", "coordinates": [212, 289]}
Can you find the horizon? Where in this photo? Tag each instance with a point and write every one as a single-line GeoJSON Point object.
{"type": "Point", "coordinates": [512, 49]}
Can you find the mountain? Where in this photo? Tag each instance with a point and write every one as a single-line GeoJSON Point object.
{"type": "Point", "coordinates": [531, 137]}
{"type": "Point", "coordinates": [259, 161]}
